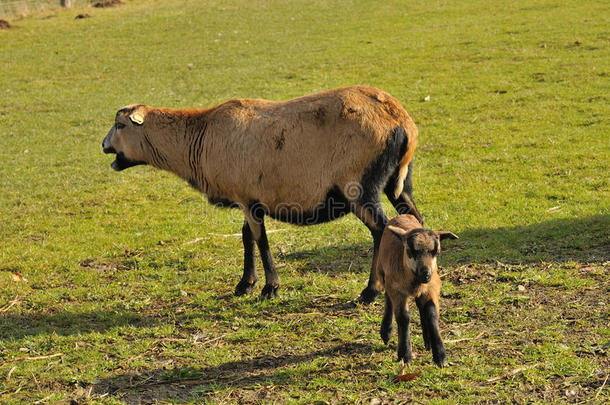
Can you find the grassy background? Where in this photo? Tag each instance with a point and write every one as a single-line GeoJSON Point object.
{"type": "Point", "coordinates": [130, 276]}
{"type": "Point", "coordinates": [17, 9]}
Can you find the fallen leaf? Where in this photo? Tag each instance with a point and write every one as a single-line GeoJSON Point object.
{"type": "Point", "coordinates": [406, 377]}
{"type": "Point", "coordinates": [17, 277]}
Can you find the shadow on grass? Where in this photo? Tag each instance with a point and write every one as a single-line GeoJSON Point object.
{"type": "Point", "coordinates": [13, 326]}
{"type": "Point", "coordinates": [159, 385]}
{"type": "Point", "coordinates": [567, 239]}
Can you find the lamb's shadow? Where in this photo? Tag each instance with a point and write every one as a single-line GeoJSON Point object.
{"type": "Point", "coordinates": [152, 386]}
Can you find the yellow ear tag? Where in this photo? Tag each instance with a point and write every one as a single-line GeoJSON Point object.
{"type": "Point", "coordinates": [137, 118]}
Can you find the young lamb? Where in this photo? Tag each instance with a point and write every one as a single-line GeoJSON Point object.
{"type": "Point", "coordinates": [407, 265]}
{"type": "Point", "coordinates": [303, 161]}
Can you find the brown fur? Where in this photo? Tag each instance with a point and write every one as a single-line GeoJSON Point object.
{"type": "Point", "coordinates": [275, 152]}
{"type": "Point", "coordinates": [406, 247]}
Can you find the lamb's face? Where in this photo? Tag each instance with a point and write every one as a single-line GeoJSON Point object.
{"type": "Point", "coordinates": [125, 138]}
{"type": "Point", "coordinates": [422, 248]}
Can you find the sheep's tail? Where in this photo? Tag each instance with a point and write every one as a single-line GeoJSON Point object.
{"type": "Point", "coordinates": [403, 168]}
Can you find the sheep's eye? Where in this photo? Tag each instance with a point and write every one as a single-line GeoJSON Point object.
{"type": "Point", "coordinates": [119, 125]}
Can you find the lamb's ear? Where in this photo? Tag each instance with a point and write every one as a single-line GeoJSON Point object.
{"type": "Point", "coordinates": [442, 235]}
{"type": "Point", "coordinates": [137, 117]}
{"type": "Point", "coordinates": [399, 232]}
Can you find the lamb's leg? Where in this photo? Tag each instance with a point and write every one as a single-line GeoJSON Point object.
{"type": "Point", "coordinates": [401, 312]}
{"type": "Point", "coordinates": [375, 219]}
{"type": "Point", "coordinates": [386, 323]}
{"type": "Point", "coordinates": [249, 278]}
{"type": "Point", "coordinates": [429, 311]}
{"type": "Point", "coordinates": [425, 327]}
{"type": "Point", "coordinates": [256, 221]}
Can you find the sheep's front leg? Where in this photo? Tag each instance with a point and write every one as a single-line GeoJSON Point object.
{"type": "Point", "coordinates": [249, 278]}
{"type": "Point", "coordinates": [429, 313]}
{"type": "Point", "coordinates": [401, 312]}
{"type": "Point", "coordinates": [256, 221]}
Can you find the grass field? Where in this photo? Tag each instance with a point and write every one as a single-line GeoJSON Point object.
{"type": "Point", "coordinates": [130, 275]}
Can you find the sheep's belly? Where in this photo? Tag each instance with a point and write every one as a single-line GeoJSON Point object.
{"type": "Point", "coordinates": [334, 206]}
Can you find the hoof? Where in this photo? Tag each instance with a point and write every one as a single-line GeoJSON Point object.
{"type": "Point", "coordinates": [368, 295]}
{"type": "Point", "coordinates": [440, 359]}
{"type": "Point", "coordinates": [244, 287]}
{"type": "Point", "coordinates": [406, 359]}
{"type": "Point", "coordinates": [269, 292]}
{"type": "Point", "coordinates": [386, 335]}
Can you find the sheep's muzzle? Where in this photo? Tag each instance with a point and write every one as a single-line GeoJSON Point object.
{"type": "Point", "coordinates": [121, 162]}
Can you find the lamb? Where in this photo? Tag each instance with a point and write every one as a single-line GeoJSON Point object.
{"type": "Point", "coordinates": [407, 265]}
{"type": "Point", "coordinates": [303, 161]}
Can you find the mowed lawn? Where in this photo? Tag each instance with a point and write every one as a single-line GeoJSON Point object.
{"type": "Point", "coordinates": [118, 287]}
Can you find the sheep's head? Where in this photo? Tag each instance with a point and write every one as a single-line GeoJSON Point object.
{"type": "Point", "coordinates": [422, 247]}
{"type": "Point", "coordinates": [126, 139]}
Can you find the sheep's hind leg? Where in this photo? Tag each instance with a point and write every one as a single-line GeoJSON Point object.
{"type": "Point", "coordinates": [375, 219]}
{"type": "Point", "coordinates": [249, 278]}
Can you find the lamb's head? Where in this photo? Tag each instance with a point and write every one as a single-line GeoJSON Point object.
{"type": "Point", "coordinates": [421, 249]}
{"type": "Point", "coordinates": [126, 138]}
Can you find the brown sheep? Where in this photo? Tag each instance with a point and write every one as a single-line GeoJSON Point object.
{"type": "Point", "coordinates": [407, 265]}
{"type": "Point", "coordinates": [303, 161]}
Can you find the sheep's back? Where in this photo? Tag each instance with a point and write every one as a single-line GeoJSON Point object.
{"type": "Point", "coordinates": [295, 151]}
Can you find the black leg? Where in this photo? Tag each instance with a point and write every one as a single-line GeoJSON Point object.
{"type": "Point", "coordinates": [249, 278]}
{"type": "Point", "coordinates": [373, 288]}
{"type": "Point", "coordinates": [372, 215]}
{"type": "Point", "coordinates": [272, 280]}
{"type": "Point", "coordinates": [404, 340]}
{"type": "Point", "coordinates": [425, 328]}
{"type": "Point", "coordinates": [430, 313]}
{"type": "Point", "coordinates": [386, 323]}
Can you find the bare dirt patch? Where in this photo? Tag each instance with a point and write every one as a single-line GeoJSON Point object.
{"type": "Point", "coordinates": [4, 25]}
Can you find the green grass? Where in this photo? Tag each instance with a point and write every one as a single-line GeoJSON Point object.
{"type": "Point", "coordinates": [130, 275]}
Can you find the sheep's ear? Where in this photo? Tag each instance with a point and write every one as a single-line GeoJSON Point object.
{"type": "Point", "coordinates": [137, 117]}
{"type": "Point", "coordinates": [442, 235]}
{"type": "Point", "coordinates": [399, 232]}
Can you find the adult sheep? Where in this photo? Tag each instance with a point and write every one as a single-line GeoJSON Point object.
{"type": "Point", "coordinates": [303, 161]}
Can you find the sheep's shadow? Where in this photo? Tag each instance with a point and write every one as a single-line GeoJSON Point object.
{"type": "Point", "coordinates": [566, 239]}
{"type": "Point", "coordinates": [189, 383]}
{"type": "Point", "coordinates": [65, 323]}
{"type": "Point", "coordinates": [560, 240]}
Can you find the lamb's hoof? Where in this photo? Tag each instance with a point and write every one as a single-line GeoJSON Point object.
{"type": "Point", "coordinates": [269, 292]}
{"type": "Point", "coordinates": [244, 287]}
{"type": "Point", "coordinates": [405, 358]}
{"type": "Point", "coordinates": [440, 359]}
{"type": "Point", "coordinates": [386, 335]}
{"type": "Point", "coordinates": [368, 295]}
